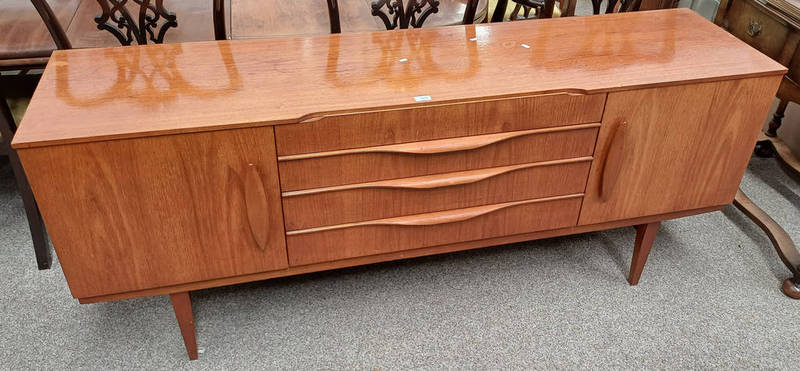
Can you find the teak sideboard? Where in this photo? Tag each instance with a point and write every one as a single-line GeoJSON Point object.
{"type": "Point", "coordinates": [168, 168]}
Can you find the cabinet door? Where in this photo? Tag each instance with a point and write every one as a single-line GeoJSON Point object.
{"type": "Point", "coordinates": [128, 215]}
{"type": "Point", "coordinates": [675, 148]}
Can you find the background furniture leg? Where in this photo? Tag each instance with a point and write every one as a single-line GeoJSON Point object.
{"type": "Point", "coordinates": [775, 124]}
{"type": "Point", "coordinates": [645, 235]}
{"type": "Point", "coordinates": [783, 244]}
{"type": "Point", "coordinates": [182, 305]}
{"type": "Point", "coordinates": [41, 248]}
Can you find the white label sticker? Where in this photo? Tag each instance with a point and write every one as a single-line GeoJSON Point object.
{"type": "Point", "coordinates": [404, 60]}
{"type": "Point", "coordinates": [422, 98]}
{"type": "Point", "coordinates": [473, 39]}
{"type": "Point", "coordinates": [526, 46]}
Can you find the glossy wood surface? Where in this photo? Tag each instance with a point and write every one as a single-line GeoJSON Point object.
{"type": "Point", "coordinates": [143, 213]}
{"type": "Point", "coordinates": [331, 243]}
{"type": "Point", "coordinates": [287, 80]}
{"type": "Point", "coordinates": [22, 32]}
{"type": "Point", "coordinates": [325, 169]}
{"type": "Point", "coordinates": [436, 122]}
{"type": "Point", "coordinates": [680, 148]}
{"type": "Point", "coordinates": [384, 199]}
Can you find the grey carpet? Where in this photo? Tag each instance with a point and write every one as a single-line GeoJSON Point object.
{"type": "Point", "coordinates": [709, 298]}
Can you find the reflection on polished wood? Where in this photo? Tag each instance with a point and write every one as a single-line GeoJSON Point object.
{"type": "Point", "coordinates": [143, 81]}
{"type": "Point", "coordinates": [674, 47]}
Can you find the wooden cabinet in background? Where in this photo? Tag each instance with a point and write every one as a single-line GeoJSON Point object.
{"type": "Point", "coordinates": [288, 156]}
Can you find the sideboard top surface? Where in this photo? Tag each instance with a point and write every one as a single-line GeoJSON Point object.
{"type": "Point", "coordinates": [125, 92]}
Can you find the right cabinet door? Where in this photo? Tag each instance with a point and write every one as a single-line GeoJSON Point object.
{"type": "Point", "coordinates": [674, 148]}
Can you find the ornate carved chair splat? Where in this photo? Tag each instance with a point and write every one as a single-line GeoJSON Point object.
{"type": "Point", "coordinates": [413, 13]}
{"type": "Point", "coordinates": [152, 21]}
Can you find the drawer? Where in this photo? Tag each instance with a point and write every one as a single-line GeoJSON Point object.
{"type": "Point", "coordinates": [344, 241]}
{"type": "Point", "coordinates": [367, 129]}
{"type": "Point", "coordinates": [363, 165]}
{"type": "Point", "coordinates": [384, 199]}
{"type": "Point", "coordinates": [751, 23]}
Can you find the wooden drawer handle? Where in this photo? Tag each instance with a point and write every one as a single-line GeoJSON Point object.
{"type": "Point", "coordinates": [437, 218]}
{"type": "Point", "coordinates": [438, 180]}
{"type": "Point", "coordinates": [441, 145]}
{"type": "Point", "coordinates": [255, 198]}
{"type": "Point", "coordinates": [612, 166]}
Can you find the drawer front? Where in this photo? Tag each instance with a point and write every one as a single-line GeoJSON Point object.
{"type": "Point", "coordinates": [748, 22]}
{"type": "Point", "coordinates": [408, 196]}
{"type": "Point", "coordinates": [377, 128]}
{"type": "Point", "coordinates": [435, 157]}
{"type": "Point", "coordinates": [425, 230]}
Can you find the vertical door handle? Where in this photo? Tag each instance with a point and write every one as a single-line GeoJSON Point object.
{"type": "Point", "coordinates": [612, 165]}
{"type": "Point", "coordinates": [255, 198]}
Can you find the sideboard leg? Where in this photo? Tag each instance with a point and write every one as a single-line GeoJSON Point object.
{"type": "Point", "coordinates": [183, 312]}
{"type": "Point", "coordinates": [645, 235]}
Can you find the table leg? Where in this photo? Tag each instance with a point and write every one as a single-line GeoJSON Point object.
{"type": "Point", "coordinates": [783, 244]}
{"type": "Point", "coordinates": [777, 118]}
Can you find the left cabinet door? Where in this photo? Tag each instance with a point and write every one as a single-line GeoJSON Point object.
{"type": "Point", "coordinates": [132, 214]}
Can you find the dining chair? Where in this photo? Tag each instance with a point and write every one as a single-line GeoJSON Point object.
{"type": "Point", "coordinates": [413, 13]}
{"type": "Point", "coordinates": [527, 9]}
{"type": "Point", "coordinates": [220, 28]}
{"type": "Point", "coordinates": [35, 223]}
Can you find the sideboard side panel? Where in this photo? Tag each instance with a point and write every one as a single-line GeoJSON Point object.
{"type": "Point", "coordinates": [674, 148]}
{"type": "Point", "coordinates": [135, 214]}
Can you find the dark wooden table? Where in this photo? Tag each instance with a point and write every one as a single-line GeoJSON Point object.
{"type": "Point", "coordinates": [24, 40]}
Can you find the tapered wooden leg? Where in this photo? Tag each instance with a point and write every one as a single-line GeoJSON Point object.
{"type": "Point", "coordinates": [183, 312]}
{"type": "Point", "coordinates": [645, 235]}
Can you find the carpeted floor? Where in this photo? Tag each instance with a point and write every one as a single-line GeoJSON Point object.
{"type": "Point", "coordinates": [709, 298]}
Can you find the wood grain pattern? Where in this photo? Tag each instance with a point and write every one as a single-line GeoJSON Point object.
{"type": "Point", "coordinates": [338, 132]}
{"type": "Point", "coordinates": [22, 32]}
{"type": "Point", "coordinates": [136, 214]}
{"type": "Point", "coordinates": [686, 147]}
{"type": "Point", "coordinates": [384, 199]}
{"type": "Point", "coordinates": [291, 79]}
{"type": "Point", "coordinates": [381, 163]}
{"type": "Point", "coordinates": [397, 255]}
{"type": "Point", "coordinates": [461, 225]}
{"type": "Point", "coordinates": [439, 146]}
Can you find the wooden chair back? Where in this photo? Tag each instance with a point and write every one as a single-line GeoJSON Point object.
{"type": "Point", "coordinates": [53, 25]}
{"type": "Point", "coordinates": [221, 30]}
{"type": "Point", "coordinates": [539, 9]}
{"type": "Point", "coordinates": [413, 13]}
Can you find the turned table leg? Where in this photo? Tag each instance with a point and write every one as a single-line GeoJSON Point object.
{"type": "Point", "coordinates": [777, 118]}
{"type": "Point", "coordinates": [783, 244]}
{"type": "Point", "coordinates": [182, 305]}
{"type": "Point", "coordinates": [645, 235]}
